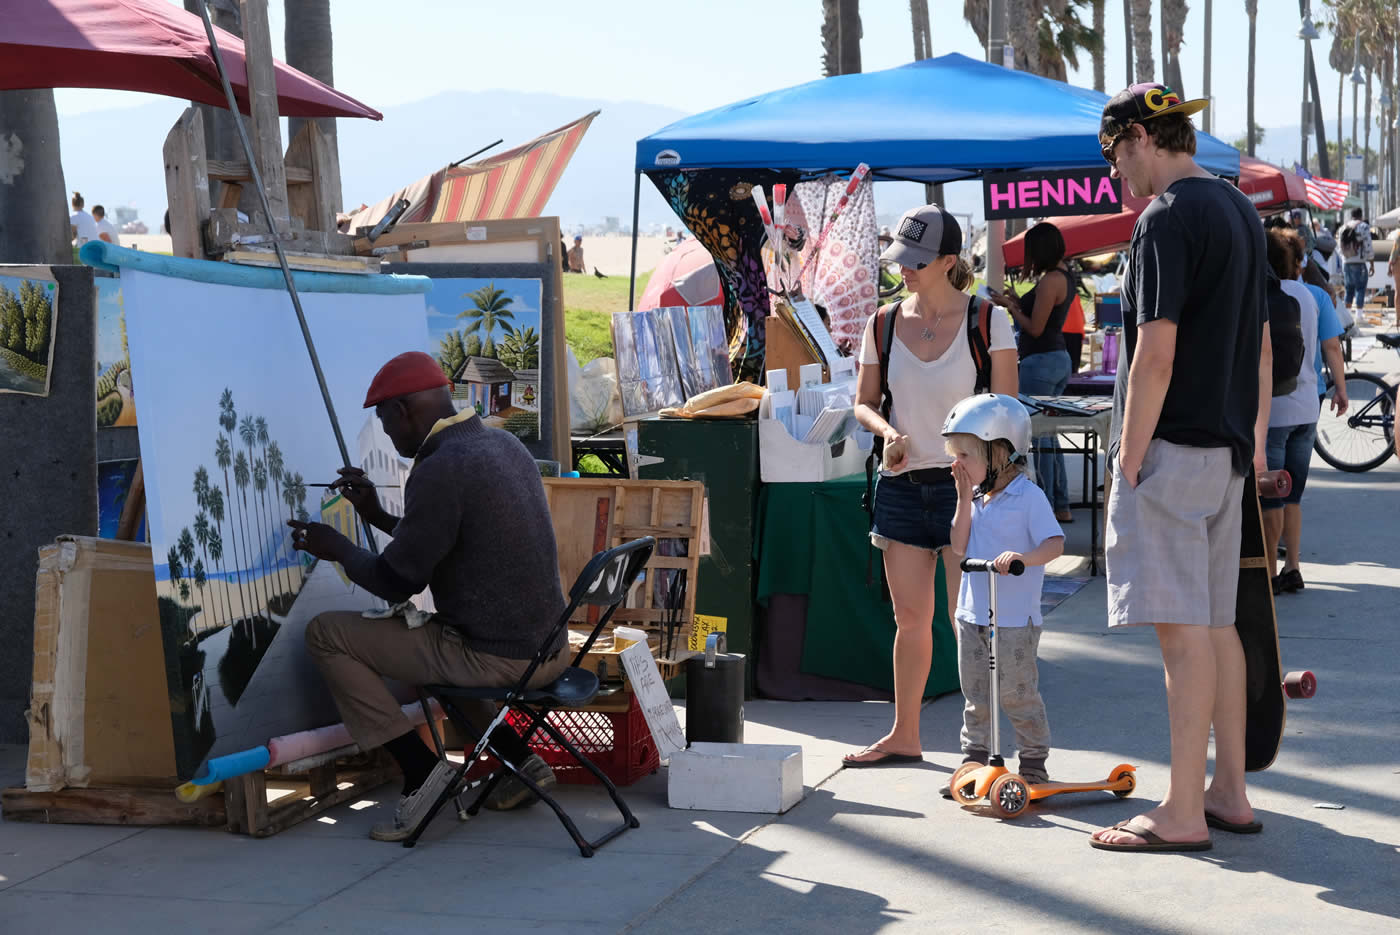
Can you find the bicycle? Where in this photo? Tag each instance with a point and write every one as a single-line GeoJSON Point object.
{"type": "Point", "coordinates": [1364, 438]}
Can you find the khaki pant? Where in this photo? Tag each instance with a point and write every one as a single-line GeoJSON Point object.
{"type": "Point", "coordinates": [1020, 689]}
{"type": "Point", "coordinates": [356, 654]}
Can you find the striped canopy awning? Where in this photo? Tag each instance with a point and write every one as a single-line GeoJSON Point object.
{"type": "Point", "coordinates": [514, 184]}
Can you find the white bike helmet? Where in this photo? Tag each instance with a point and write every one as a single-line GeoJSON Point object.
{"type": "Point", "coordinates": [990, 416]}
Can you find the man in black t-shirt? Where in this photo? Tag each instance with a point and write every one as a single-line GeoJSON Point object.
{"type": "Point", "coordinates": [1188, 428]}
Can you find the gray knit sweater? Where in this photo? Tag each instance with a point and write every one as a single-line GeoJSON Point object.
{"type": "Point", "coordinates": [476, 529]}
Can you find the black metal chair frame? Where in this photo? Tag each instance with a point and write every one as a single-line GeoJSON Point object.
{"type": "Point", "coordinates": [604, 582]}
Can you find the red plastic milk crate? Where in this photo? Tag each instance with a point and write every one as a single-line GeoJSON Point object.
{"type": "Point", "coordinates": [618, 743]}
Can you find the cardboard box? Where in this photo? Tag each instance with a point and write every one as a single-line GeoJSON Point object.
{"type": "Point", "coordinates": [99, 710]}
{"type": "Point", "coordinates": [736, 777]}
{"type": "Point", "coordinates": [784, 459]}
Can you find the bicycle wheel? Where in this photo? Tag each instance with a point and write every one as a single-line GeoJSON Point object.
{"type": "Point", "coordinates": [1365, 437]}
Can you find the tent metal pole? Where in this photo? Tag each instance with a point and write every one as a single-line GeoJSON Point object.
{"type": "Point", "coordinates": [281, 256]}
{"type": "Point", "coordinates": [636, 210]}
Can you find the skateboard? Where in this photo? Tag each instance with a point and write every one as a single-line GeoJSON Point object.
{"type": "Point", "coordinates": [1266, 687]}
{"type": "Point", "coordinates": [1007, 793]}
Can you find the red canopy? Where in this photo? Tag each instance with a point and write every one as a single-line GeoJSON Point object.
{"type": "Point", "coordinates": [143, 45]}
{"type": "Point", "coordinates": [1270, 188]}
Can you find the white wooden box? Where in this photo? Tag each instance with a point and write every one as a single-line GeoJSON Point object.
{"type": "Point", "coordinates": [784, 459]}
{"type": "Point", "coordinates": [736, 777]}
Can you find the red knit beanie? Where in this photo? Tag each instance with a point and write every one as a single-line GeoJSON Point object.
{"type": "Point", "coordinates": [410, 372]}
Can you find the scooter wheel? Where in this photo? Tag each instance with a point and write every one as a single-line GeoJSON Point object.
{"type": "Point", "coordinates": [1300, 684]}
{"type": "Point", "coordinates": [1130, 776]}
{"type": "Point", "coordinates": [962, 785]}
{"type": "Point", "coordinates": [1010, 796]}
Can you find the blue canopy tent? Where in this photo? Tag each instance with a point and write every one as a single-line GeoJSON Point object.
{"type": "Point", "coordinates": [936, 120]}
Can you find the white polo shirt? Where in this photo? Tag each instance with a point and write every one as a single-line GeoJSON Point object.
{"type": "Point", "coordinates": [1018, 519]}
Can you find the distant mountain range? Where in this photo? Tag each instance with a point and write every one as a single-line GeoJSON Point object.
{"type": "Point", "coordinates": [114, 156]}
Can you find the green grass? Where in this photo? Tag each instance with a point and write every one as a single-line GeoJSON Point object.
{"type": "Point", "coordinates": [589, 304]}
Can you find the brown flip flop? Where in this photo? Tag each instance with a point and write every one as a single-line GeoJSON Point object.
{"type": "Point", "coordinates": [885, 759]}
{"type": "Point", "coordinates": [1153, 841]}
{"type": "Point", "coordinates": [1234, 827]}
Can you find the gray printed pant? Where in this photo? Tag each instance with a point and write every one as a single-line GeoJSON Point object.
{"type": "Point", "coordinates": [1020, 689]}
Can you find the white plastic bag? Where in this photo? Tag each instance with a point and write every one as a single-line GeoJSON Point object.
{"type": "Point", "coordinates": [594, 403]}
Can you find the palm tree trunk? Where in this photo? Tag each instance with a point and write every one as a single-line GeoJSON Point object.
{"type": "Point", "coordinates": [220, 135]}
{"type": "Point", "coordinates": [918, 14]}
{"type": "Point", "coordinates": [1023, 31]}
{"type": "Point", "coordinates": [1142, 40]}
{"type": "Point", "coordinates": [1173, 32]}
{"type": "Point", "coordinates": [850, 33]}
{"type": "Point", "coordinates": [309, 45]}
{"type": "Point", "coordinates": [1249, 84]}
{"type": "Point", "coordinates": [1098, 54]}
{"type": "Point", "coordinates": [1128, 43]}
{"type": "Point", "coordinates": [33, 222]}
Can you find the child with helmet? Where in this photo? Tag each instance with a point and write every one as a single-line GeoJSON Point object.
{"type": "Point", "coordinates": [1002, 516]}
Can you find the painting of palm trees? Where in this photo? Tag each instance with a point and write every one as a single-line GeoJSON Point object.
{"type": "Point", "coordinates": [232, 442]}
{"type": "Point", "coordinates": [28, 316]}
{"type": "Point", "coordinates": [489, 310]}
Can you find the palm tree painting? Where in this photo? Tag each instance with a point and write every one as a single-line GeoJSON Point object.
{"type": "Point", "coordinates": [490, 308]}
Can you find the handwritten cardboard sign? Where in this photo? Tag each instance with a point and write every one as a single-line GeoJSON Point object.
{"type": "Point", "coordinates": [645, 679]}
{"type": "Point", "coordinates": [1061, 193]}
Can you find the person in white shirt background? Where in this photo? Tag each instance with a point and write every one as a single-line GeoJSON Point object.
{"type": "Point", "coordinates": [106, 230]}
{"type": "Point", "coordinates": [84, 228]}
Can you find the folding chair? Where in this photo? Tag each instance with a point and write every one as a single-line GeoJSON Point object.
{"type": "Point", "coordinates": [604, 583]}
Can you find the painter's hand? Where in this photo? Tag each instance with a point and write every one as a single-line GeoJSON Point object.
{"type": "Point", "coordinates": [319, 540]}
{"type": "Point", "coordinates": [356, 487]}
{"type": "Point", "coordinates": [1002, 562]}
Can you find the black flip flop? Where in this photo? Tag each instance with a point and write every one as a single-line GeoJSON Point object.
{"type": "Point", "coordinates": [1220, 824]}
{"type": "Point", "coordinates": [1152, 841]}
{"type": "Point", "coordinates": [885, 759]}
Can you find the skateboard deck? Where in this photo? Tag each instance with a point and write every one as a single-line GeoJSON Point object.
{"type": "Point", "coordinates": [1265, 698]}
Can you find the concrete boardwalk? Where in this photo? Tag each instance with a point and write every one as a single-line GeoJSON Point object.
{"type": "Point", "coordinates": [866, 851]}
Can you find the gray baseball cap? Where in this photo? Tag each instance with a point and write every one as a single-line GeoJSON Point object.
{"type": "Point", "coordinates": [923, 235]}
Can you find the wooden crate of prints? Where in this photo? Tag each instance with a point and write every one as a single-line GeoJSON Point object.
{"type": "Point", "coordinates": [594, 514]}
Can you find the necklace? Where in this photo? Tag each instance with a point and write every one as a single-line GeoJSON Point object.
{"type": "Point", "coordinates": [928, 334]}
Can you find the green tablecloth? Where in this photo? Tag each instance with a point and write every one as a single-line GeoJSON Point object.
{"type": "Point", "coordinates": [813, 539]}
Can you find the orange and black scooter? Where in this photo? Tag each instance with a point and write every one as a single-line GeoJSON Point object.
{"type": "Point", "coordinates": [1007, 793]}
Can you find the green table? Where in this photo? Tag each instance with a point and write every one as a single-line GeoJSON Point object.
{"type": "Point", "coordinates": [813, 539]}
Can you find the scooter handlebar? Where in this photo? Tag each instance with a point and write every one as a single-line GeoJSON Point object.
{"type": "Point", "coordinates": [985, 564]}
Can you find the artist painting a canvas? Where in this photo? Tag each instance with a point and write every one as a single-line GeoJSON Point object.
{"type": "Point", "coordinates": [234, 437]}
{"type": "Point", "coordinates": [485, 334]}
{"type": "Point", "coordinates": [28, 316]}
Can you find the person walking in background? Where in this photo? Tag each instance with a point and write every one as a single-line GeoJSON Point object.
{"type": "Point", "coordinates": [1045, 360]}
{"type": "Point", "coordinates": [1358, 259]}
{"type": "Point", "coordinates": [80, 223]}
{"type": "Point", "coordinates": [106, 230]}
{"type": "Point", "coordinates": [921, 350]}
{"type": "Point", "coordinates": [1188, 423]}
{"type": "Point", "coordinates": [576, 255]}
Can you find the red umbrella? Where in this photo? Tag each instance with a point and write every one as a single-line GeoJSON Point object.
{"type": "Point", "coordinates": [685, 276]}
{"type": "Point", "coordinates": [1270, 188]}
{"type": "Point", "coordinates": [143, 45]}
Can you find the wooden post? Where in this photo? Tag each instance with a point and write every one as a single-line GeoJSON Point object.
{"type": "Point", "coordinates": [264, 129]}
{"type": "Point", "coordinates": [314, 203]}
{"type": "Point", "coordinates": [135, 506]}
{"type": "Point", "coordinates": [187, 184]}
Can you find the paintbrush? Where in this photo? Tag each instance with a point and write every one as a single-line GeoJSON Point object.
{"type": "Point", "coordinates": [379, 486]}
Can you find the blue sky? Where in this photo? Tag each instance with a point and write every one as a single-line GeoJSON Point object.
{"type": "Point", "coordinates": [189, 341]}
{"type": "Point", "coordinates": [449, 297]}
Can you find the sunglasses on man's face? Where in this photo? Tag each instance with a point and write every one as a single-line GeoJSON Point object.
{"type": "Point", "coordinates": [1109, 151]}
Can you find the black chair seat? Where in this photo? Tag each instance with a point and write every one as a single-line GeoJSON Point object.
{"type": "Point", "coordinates": [572, 689]}
{"type": "Point", "coordinates": [1389, 340]}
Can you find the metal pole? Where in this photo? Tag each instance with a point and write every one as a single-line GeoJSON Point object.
{"type": "Point", "coordinates": [636, 211]}
{"type": "Point", "coordinates": [1128, 45]}
{"type": "Point", "coordinates": [995, 271]}
{"type": "Point", "coordinates": [281, 256]}
{"type": "Point", "coordinates": [1303, 125]}
{"type": "Point", "coordinates": [1206, 116]}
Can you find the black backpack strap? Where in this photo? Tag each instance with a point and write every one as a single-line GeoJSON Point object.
{"type": "Point", "coordinates": [979, 316]}
{"type": "Point", "coordinates": [885, 319]}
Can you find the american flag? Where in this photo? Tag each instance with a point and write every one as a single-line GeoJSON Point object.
{"type": "Point", "coordinates": [1327, 194]}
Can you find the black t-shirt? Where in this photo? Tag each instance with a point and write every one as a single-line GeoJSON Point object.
{"type": "Point", "coordinates": [1052, 338]}
{"type": "Point", "coordinates": [1197, 258]}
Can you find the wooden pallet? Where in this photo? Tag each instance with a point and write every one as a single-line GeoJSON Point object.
{"type": "Point", "coordinates": [116, 805]}
{"type": "Point", "coordinates": [594, 514]}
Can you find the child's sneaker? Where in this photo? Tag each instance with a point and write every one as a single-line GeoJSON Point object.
{"type": "Point", "coordinates": [972, 756]}
{"type": "Point", "coordinates": [1033, 771]}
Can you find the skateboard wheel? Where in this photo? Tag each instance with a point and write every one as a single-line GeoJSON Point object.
{"type": "Point", "coordinates": [1009, 796]}
{"type": "Point", "coordinates": [1300, 684]}
{"type": "Point", "coordinates": [1130, 775]}
{"type": "Point", "coordinates": [963, 786]}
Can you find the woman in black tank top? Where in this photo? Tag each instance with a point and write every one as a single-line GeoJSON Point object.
{"type": "Point", "coordinates": [1040, 344]}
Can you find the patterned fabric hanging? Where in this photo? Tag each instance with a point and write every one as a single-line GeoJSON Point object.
{"type": "Point", "coordinates": [716, 206]}
{"type": "Point", "coordinates": [843, 278]}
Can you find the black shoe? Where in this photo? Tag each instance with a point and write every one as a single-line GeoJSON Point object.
{"type": "Point", "coordinates": [1292, 581]}
{"type": "Point", "coordinates": [1277, 582]}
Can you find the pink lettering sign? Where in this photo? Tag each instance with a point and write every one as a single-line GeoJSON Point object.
{"type": "Point", "coordinates": [1003, 196]}
{"type": "Point", "coordinates": [1029, 191]}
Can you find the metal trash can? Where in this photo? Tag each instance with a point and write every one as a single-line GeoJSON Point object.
{"type": "Point", "coordinates": [714, 695]}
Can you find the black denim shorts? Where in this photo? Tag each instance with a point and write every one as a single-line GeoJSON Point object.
{"type": "Point", "coordinates": [915, 508]}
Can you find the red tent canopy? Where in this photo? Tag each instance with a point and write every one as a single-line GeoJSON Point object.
{"type": "Point", "coordinates": [1270, 188]}
{"type": "Point", "coordinates": [143, 45]}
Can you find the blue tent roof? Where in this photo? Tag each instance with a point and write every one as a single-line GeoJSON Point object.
{"type": "Point", "coordinates": [930, 121]}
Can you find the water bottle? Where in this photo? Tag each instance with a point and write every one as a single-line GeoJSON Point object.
{"type": "Point", "coordinates": [1110, 351]}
